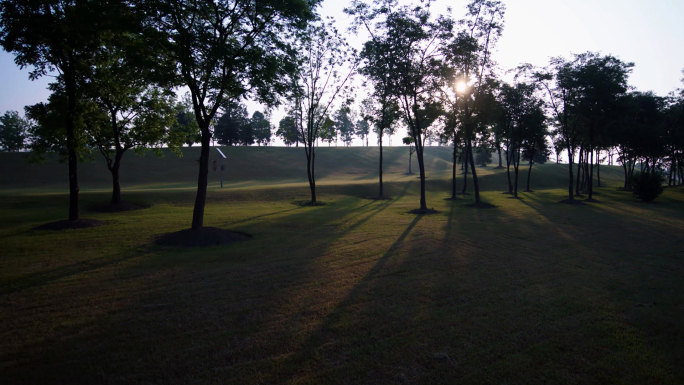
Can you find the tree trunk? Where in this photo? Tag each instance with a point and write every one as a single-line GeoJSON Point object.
{"type": "Point", "coordinates": [499, 150]}
{"type": "Point", "coordinates": [201, 198]}
{"type": "Point", "coordinates": [380, 194]}
{"type": "Point", "coordinates": [453, 175]}
{"type": "Point", "coordinates": [70, 88]}
{"type": "Point", "coordinates": [465, 173]}
{"type": "Point", "coordinates": [516, 167]}
{"type": "Point", "coordinates": [598, 168]}
{"type": "Point", "coordinates": [421, 167]}
{"type": "Point", "coordinates": [590, 181]}
{"type": "Point", "coordinates": [579, 168]}
{"type": "Point", "coordinates": [509, 159]}
{"type": "Point", "coordinates": [472, 166]}
{"type": "Point", "coordinates": [116, 185]}
{"type": "Point", "coordinates": [529, 173]}
{"type": "Point", "coordinates": [570, 159]}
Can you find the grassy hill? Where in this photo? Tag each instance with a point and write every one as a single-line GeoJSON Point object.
{"type": "Point", "coordinates": [249, 167]}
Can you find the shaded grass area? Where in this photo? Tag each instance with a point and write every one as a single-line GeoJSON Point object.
{"type": "Point", "coordinates": [356, 291]}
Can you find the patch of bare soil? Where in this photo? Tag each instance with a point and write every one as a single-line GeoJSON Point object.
{"type": "Point", "coordinates": [424, 211]}
{"type": "Point", "coordinates": [382, 198]}
{"type": "Point", "coordinates": [308, 203]}
{"type": "Point", "coordinates": [481, 205]}
{"type": "Point", "coordinates": [116, 208]}
{"type": "Point", "coordinates": [572, 201]}
{"type": "Point", "coordinates": [204, 237]}
{"type": "Point", "coordinates": [66, 224]}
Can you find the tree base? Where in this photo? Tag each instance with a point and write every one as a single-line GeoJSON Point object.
{"type": "Point", "coordinates": [70, 225]}
{"type": "Point", "coordinates": [424, 211]}
{"type": "Point", "coordinates": [204, 237]}
{"type": "Point", "coordinates": [481, 205]}
{"type": "Point", "coordinates": [117, 207]}
{"type": "Point", "coordinates": [572, 202]}
{"type": "Point", "coordinates": [308, 203]}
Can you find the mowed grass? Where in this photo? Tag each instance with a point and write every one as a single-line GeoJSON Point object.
{"type": "Point", "coordinates": [353, 292]}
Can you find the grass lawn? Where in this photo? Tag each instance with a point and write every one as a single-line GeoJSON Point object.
{"type": "Point", "coordinates": [354, 292]}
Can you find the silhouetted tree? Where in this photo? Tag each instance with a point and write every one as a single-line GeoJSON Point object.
{"type": "Point", "coordinates": [287, 131]}
{"type": "Point", "coordinates": [61, 36]}
{"type": "Point", "coordinates": [222, 50]}
{"type": "Point", "coordinates": [13, 131]}
{"type": "Point", "coordinates": [317, 84]}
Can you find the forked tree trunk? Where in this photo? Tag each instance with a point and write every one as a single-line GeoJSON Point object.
{"type": "Point", "coordinates": [421, 167]}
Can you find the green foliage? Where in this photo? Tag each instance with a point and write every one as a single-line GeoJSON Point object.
{"type": "Point", "coordinates": [647, 186]}
{"type": "Point", "coordinates": [483, 156]}
{"type": "Point", "coordinates": [13, 131]}
{"type": "Point", "coordinates": [287, 131]}
{"type": "Point", "coordinates": [185, 129]}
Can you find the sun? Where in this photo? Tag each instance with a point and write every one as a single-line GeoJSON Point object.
{"type": "Point", "coordinates": [461, 87]}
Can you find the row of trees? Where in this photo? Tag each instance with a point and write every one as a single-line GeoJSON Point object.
{"type": "Point", "coordinates": [117, 62]}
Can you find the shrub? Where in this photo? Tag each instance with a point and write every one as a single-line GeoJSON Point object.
{"type": "Point", "coordinates": [647, 186]}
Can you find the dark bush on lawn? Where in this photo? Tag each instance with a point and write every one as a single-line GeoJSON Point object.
{"type": "Point", "coordinates": [647, 186]}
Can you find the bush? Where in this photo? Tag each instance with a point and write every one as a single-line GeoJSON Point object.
{"type": "Point", "coordinates": [647, 186]}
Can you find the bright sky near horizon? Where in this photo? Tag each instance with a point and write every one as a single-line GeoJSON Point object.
{"type": "Point", "coordinates": [650, 34]}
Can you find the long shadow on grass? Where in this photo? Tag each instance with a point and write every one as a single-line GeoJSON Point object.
{"type": "Point", "coordinates": [46, 277]}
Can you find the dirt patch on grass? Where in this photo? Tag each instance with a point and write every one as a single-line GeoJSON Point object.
{"type": "Point", "coordinates": [424, 211]}
{"type": "Point", "coordinates": [204, 237]}
{"type": "Point", "coordinates": [66, 224]}
{"type": "Point", "coordinates": [116, 208]}
{"type": "Point", "coordinates": [572, 202]}
{"type": "Point", "coordinates": [481, 205]}
{"type": "Point", "coordinates": [308, 203]}
{"type": "Point", "coordinates": [383, 198]}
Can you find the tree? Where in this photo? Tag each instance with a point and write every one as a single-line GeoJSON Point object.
{"type": "Point", "coordinates": [412, 149]}
{"type": "Point", "coordinates": [233, 127]}
{"type": "Point", "coordinates": [185, 128]}
{"type": "Point", "coordinates": [137, 113]}
{"type": "Point", "coordinates": [261, 128]}
{"type": "Point", "coordinates": [344, 124]}
{"type": "Point", "coordinates": [484, 156]}
{"type": "Point", "coordinates": [362, 129]}
{"type": "Point", "coordinates": [287, 131]}
{"type": "Point", "coordinates": [401, 62]}
{"type": "Point", "coordinates": [468, 54]}
{"type": "Point", "coordinates": [222, 50]}
{"type": "Point", "coordinates": [316, 85]}
{"type": "Point", "coordinates": [61, 36]}
{"type": "Point", "coordinates": [599, 82]}
{"type": "Point", "coordinates": [13, 131]}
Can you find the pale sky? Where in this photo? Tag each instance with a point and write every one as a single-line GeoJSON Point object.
{"type": "Point", "coordinates": [650, 34]}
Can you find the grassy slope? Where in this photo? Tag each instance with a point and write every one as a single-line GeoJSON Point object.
{"type": "Point", "coordinates": [356, 291]}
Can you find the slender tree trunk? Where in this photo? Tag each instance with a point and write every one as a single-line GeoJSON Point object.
{"type": "Point", "coordinates": [116, 185]}
{"type": "Point", "coordinates": [499, 150]}
{"type": "Point", "coordinates": [421, 167]}
{"type": "Point", "coordinates": [453, 175]}
{"type": "Point", "coordinates": [380, 194]}
{"type": "Point", "coordinates": [598, 170]}
{"type": "Point", "coordinates": [570, 159]}
{"type": "Point", "coordinates": [201, 198]}
{"type": "Point", "coordinates": [509, 159]}
{"type": "Point", "coordinates": [516, 166]}
{"type": "Point", "coordinates": [70, 88]}
{"type": "Point", "coordinates": [590, 181]}
{"type": "Point", "coordinates": [579, 168]}
{"type": "Point", "coordinates": [465, 172]}
{"type": "Point", "coordinates": [472, 166]}
{"type": "Point", "coordinates": [529, 174]}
